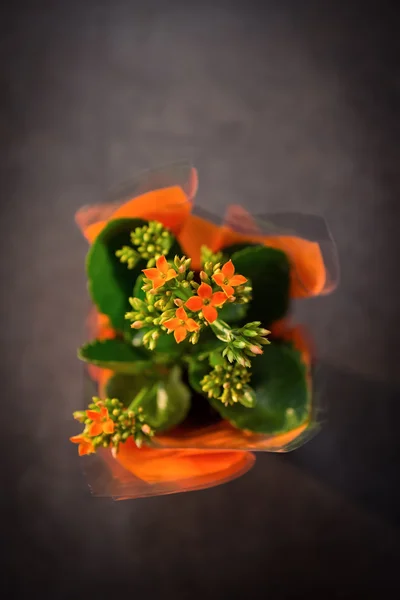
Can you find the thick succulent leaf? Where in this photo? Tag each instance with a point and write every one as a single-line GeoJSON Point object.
{"type": "Point", "coordinates": [166, 349]}
{"type": "Point", "coordinates": [282, 393]}
{"type": "Point", "coordinates": [114, 354]}
{"type": "Point", "coordinates": [137, 290]}
{"type": "Point", "coordinates": [233, 313]}
{"type": "Point", "coordinates": [196, 371]}
{"type": "Point", "coordinates": [233, 248]}
{"type": "Point", "coordinates": [165, 405]}
{"type": "Point", "coordinates": [268, 270]}
{"type": "Point", "coordinates": [110, 282]}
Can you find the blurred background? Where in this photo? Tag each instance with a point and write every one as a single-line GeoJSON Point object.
{"type": "Point", "coordinates": [281, 105]}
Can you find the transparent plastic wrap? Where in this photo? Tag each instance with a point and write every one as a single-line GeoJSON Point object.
{"type": "Point", "coordinates": [199, 455]}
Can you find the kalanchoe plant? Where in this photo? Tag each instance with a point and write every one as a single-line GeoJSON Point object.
{"type": "Point", "coordinates": [173, 324]}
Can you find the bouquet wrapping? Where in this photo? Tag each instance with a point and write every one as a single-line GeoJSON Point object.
{"type": "Point", "coordinates": [193, 362]}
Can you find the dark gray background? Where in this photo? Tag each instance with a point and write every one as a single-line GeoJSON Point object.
{"type": "Point", "coordinates": [282, 106]}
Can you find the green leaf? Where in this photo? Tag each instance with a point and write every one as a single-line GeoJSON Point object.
{"type": "Point", "coordinates": [137, 290]}
{"type": "Point", "coordinates": [231, 313]}
{"type": "Point", "coordinates": [249, 398]}
{"type": "Point", "coordinates": [207, 350]}
{"type": "Point", "coordinates": [216, 359]}
{"type": "Point", "coordinates": [110, 282]}
{"type": "Point", "coordinates": [114, 354]}
{"type": "Point", "coordinates": [170, 405]}
{"type": "Point", "coordinates": [166, 349]}
{"type": "Point", "coordinates": [269, 272]}
{"type": "Point", "coordinates": [233, 248]}
{"type": "Point", "coordinates": [166, 344]}
{"type": "Point", "coordinates": [166, 404]}
{"type": "Point", "coordinates": [175, 250]}
{"type": "Point", "coordinates": [196, 371]}
{"type": "Point", "coordinates": [282, 393]}
{"type": "Point", "coordinates": [126, 387]}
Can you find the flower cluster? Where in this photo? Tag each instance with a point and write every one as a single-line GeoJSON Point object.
{"type": "Point", "coordinates": [171, 291]}
{"type": "Point", "coordinates": [172, 284]}
{"type": "Point", "coordinates": [175, 302]}
{"type": "Point", "coordinates": [107, 424]}
{"type": "Point", "coordinates": [150, 242]}
{"type": "Point", "coordinates": [208, 256]}
{"type": "Point", "coordinates": [229, 384]}
{"type": "Point", "coordinates": [242, 343]}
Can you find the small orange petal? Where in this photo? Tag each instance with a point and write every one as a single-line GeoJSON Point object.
{"type": "Point", "coordinates": [93, 414]}
{"type": "Point", "coordinates": [104, 412]}
{"type": "Point", "coordinates": [85, 448]}
{"type": "Point", "coordinates": [82, 450]}
{"type": "Point", "coordinates": [172, 324]}
{"type": "Point", "coordinates": [162, 264]}
{"type": "Point", "coordinates": [205, 290]}
{"type": "Point", "coordinates": [228, 269]}
{"type": "Point", "coordinates": [210, 314]}
{"type": "Point", "coordinates": [237, 280]}
{"type": "Point", "coordinates": [171, 274]}
{"type": "Point", "coordinates": [95, 429]}
{"type": "Point", "coordinates": [77, 439]}
{"type": "Point", "coordinates": [108, 426]}
{"type": "Point", "coordinates": [194, 303]}
{"type": "Point", "coordinates": [219, 278]}
{"type": "Point", "coordinates": [228, 289]}
{"type": "Point", "coordinates": [151, 273]}
{"type": "Point", "coordinates": [180, 334]}
{"type": "Point", "coordinates": [218, 299]}
{"type": "Point", "coordinates": [158, 282]}
{"type": "Point", "coordinates": [181, 313]}
{"type": "Point", "coordinates": [191, 325]}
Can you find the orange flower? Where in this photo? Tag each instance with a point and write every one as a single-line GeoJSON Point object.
{"type": "Point", "coordinates": [161, 274]}
{"type": "Point", "coordinates": [227, 278]}
{"type": "Point", "coordinates": [101, 422]}
{"type": "Point", "coordinates": [85, 445]}
{"type": "Point", "coordinates": [207, 301]}
{"type": "Point", "coordinates": [181, 325]}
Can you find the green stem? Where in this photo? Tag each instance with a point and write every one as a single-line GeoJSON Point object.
{"type": "Point", "coordinates": [182, 293]}
{"type": "Point", "coordinates": [140, 396]}
{"type": "Point", "coordinates": [221, 327]}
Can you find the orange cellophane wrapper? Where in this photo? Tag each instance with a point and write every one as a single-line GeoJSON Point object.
{"type": "Point", "coordinates": [189, 458]}
{"type": "Point", "coordinates": [314, 264]}
{"type": "Point", "coordinates": [165, 194]}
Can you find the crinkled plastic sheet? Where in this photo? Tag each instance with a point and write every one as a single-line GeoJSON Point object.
{"type": "Point", "coordinates": [178, 459]}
